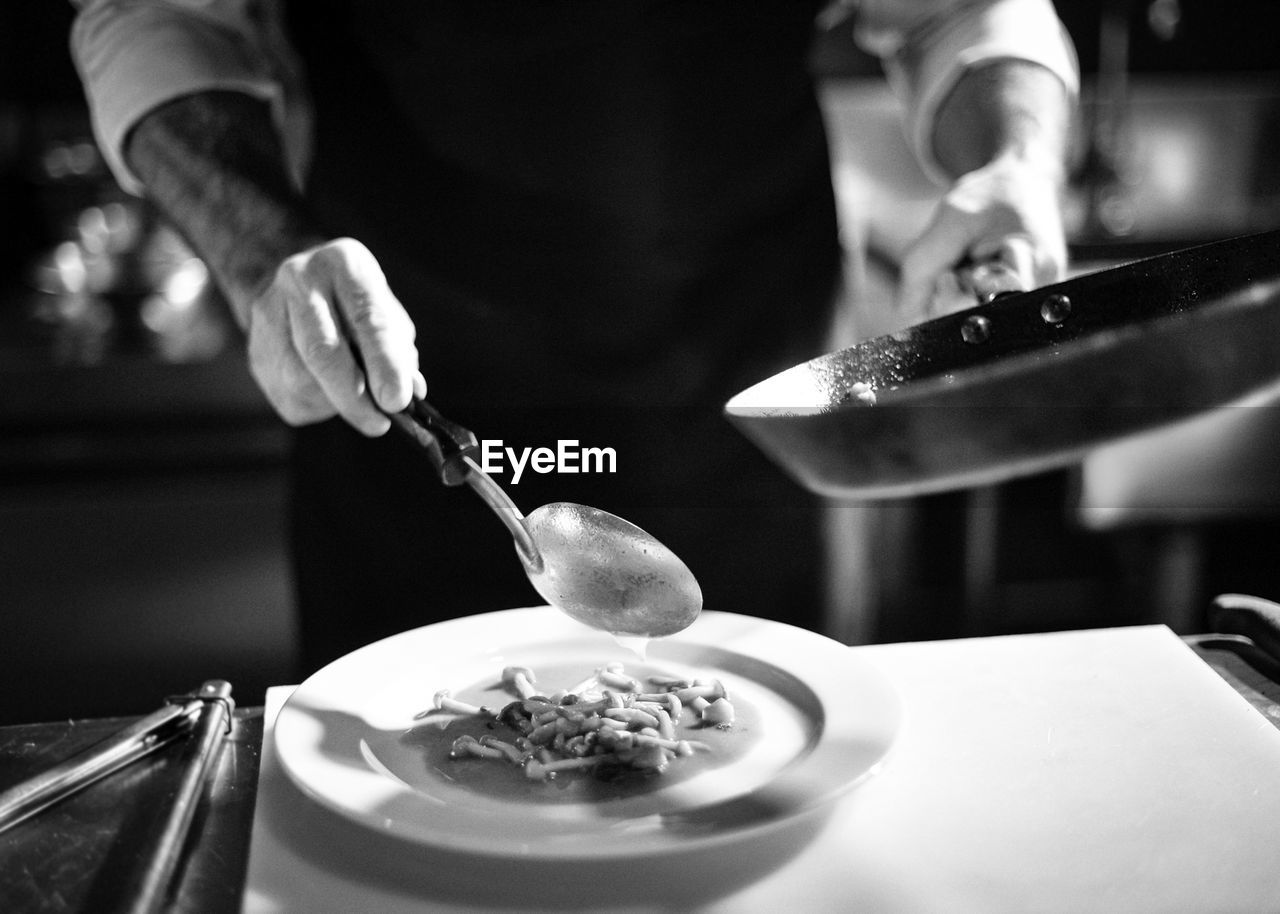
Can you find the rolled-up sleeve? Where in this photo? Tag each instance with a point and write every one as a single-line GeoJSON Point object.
{"type": "Point", "coordinates": [135, 55]}
{"type": "Point", "coordinates": [927, 45]}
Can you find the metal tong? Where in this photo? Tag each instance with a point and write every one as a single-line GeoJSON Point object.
{"type": "Point", "coordinates": [204, 714]}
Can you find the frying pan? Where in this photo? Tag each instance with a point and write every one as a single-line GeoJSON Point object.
{"type": "Point", "coordinates": [1028, 381]}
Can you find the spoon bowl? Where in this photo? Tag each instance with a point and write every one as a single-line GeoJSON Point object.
{"type": "Point", "coordinates": [608, 573]}
{"type": "Point", "coordinates": [596, 567]}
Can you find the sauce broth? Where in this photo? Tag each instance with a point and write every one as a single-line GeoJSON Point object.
{"type": "Point", "coordinates": [495, 779]}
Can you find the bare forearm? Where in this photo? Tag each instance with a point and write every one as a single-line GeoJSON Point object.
{"type": "Point", "coordinates": [213, 165]}
{"type": "Point", "coordinates": [1008, 108]}
{"type": "Point", "coordinates": [308, 304]}
{"type": "Point", "coordinates": [1002, 134]}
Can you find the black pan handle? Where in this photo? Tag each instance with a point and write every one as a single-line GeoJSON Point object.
{"type": "Point", "coordinates": [1254, 617]}
{"type": "Point", "coordinates": [444, 442]}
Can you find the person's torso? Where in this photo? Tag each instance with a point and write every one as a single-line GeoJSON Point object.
{"type": "Point", "coordinates": [580, 192]}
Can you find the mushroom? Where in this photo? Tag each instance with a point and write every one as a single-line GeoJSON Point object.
{"type": "Point", "coordinates": [540, 770]}
{"type": "Point", "coordinates": [669, 683]}
{"type": "Point", "coordinates": [616, 679]}
{"type": "Point", "coordinates": [535, 770]}
{"type": "Point", "coordinates": [510, 751]}
{"type": "Point", "coordinates": [665, 725]}
{"type": "Point", "coordinates": [445, 702]}
{"type": "Point", "coordinates": [468, 745]}
{"type": "Point", "coordinates": [521, 679]}
{"type": "Point", "coordinates": [651, 757]}
{"type": "Point", "coordinates": [702, 689]}
{"type": "Point", "coordinates": [719, 713]}
{"type": "Point", "coordinates": [632, 716]}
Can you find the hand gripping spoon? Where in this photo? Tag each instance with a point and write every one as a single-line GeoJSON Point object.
{"type": "Point", "coordinates": [596, 567]}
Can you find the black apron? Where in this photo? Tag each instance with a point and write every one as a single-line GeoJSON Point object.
{"type": "Point", "coordinates": [605, 218]}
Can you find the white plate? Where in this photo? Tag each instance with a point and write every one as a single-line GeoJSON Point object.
{"type": "Point", "coordinates": [824, 720]}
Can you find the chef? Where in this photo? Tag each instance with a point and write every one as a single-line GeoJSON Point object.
{"type": "Point", "coordinates": [585, 221]}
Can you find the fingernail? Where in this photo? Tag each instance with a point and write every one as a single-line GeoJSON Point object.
{"type": "Point", "coordinates": [419, 385]}
{"type": "Point", "coordinates": [390, 397]}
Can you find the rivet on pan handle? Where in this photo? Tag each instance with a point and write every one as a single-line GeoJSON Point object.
{"type": "Point", "coordinates": [985, 280]}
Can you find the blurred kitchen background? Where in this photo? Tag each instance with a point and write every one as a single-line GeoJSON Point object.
{"type": "Point", "coordinates": [141, 473]}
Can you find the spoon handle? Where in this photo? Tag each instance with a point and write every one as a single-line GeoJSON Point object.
{"type": "Point", "coordinates": [446, 444]}
{"type": "Point", "coordinates": [451, 449]}
{"type": "Point", "coordinates": [497, 499]}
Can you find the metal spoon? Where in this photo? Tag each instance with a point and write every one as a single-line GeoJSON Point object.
{"type": "Point", "coordinates": [596, 567]}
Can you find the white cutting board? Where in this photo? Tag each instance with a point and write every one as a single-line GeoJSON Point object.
{"type": "Point", "coordinates": [1097, 771]}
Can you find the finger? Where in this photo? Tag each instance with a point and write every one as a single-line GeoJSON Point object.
{"type": "Point", "coordinates": [1048, 258]}
{"type": "Point", "coordinates": [419, 385]}
{"type": "Point", "coordinates": [326, 354]}
{"type": "Point", "coordinates": [380, 329]}
{"type": "Point", "coordinates": [276, 367]}
{"type": "Point", "coordinates": [290, 389]}
{"type": "Point", "coordinates": [949, 295]}
{"type": "Point", "coordinates": [1012, 263]}
{"type": "Point", "coordinates": [304, 403]}
{"type": "Point", "coordinates": [933, 256]}
{"type": "Point", "coordinates": [987, 279]}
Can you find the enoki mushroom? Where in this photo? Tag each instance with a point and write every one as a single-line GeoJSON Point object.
{"type": "Point", "coordinates": [608, 722]}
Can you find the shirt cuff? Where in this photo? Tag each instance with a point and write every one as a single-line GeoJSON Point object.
{"type": "Point", "coordinates": [133, 59]}
{"type": "Point", "coordinates": [930, 59]}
